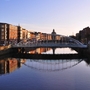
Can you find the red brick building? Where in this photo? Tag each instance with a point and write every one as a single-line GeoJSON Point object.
{"type": "Point", "coordinates": [8, 32]}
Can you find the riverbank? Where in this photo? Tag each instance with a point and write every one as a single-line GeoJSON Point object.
{"type": "Point", "coordinates": [8, 50]}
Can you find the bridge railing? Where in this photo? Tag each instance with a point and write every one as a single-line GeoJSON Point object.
{"type": "Point", "coordinates": [62, 41]}
{"type": "Point", "coordinates": [47, 44]}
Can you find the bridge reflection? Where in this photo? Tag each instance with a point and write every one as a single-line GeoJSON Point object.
{"type": "Point", "coordinates": [51, 65]}
{"type": "Point", "coordinates": [9, 65]}
{"type": "Point", "coordinates": [40, 61]}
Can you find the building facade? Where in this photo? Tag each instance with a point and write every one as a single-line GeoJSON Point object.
{"type": "Point", "coordinates": [84, 35]}
{"type": "Point", "coordinates": [8, 33]}
{"type": "Point", "coordinates": [3, 32]}
{"type": "Point", "coordinates": [13, 34]}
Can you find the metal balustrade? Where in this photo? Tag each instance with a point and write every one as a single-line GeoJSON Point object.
{"type": "Point", "coordinates": [63, 42]}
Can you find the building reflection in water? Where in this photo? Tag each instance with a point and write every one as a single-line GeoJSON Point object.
{"type": "Point", "coordinates": [50, 50]}
{"type": "Point", "coordinates": [39, 50]}
{"type": "Point", "coordinates": [10, 64]}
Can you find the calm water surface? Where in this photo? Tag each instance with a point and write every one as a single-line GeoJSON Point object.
{"type": "Point", "coordinates": [29, 74]}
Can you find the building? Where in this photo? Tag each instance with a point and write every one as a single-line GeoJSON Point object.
{"type": "Point", "coordinates": [84, 35]}
{"type": "Point", "coordinates": [53, 35]}
{"type": "Point", "coordinates": [3, 32]}
{"type": "Point", "coordinates": [8, 33]}
{"type": "Point", "coordinates": [11, 34]}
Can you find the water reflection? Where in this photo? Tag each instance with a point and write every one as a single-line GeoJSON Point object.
{"type": "Point", "coordinates": [36, 50]}
{"type": "Point", "coordinates": [50, 51]}
{"type": "Point", "coordinates": [60, 51]}
{"type": "Point", "coordinates": [10, 64]}
{"type": "Point", "coordinates": [51, 65]}
{"type": "Point", "coordinates": [87, 60]}
{"type": "Point", "coordinates": [43, 74]}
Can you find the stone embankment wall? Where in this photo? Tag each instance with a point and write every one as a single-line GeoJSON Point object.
{"type": "Point", "coordinates": [8, 50]}
{"type": "Point", "coordinates": [5, 49]}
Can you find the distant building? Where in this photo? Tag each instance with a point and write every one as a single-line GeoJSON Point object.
{"type": "Point", "coordinates": [84, 35]}
{"type": "Point", "coordinates": [11, 34]}
{"type": "Point", "coordinates": [53, 35]}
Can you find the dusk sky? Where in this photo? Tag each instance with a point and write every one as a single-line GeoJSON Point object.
{"type": "Point", "coordinates": [67, 17]}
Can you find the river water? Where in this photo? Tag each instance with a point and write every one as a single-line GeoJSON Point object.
{"type": "Point", "coordinates": [34, 74]}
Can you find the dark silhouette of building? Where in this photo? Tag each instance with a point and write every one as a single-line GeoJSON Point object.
{"type": "Point", "coordinates": [84, 35]}
{"type": "Point", "coordinates": [53, 35]}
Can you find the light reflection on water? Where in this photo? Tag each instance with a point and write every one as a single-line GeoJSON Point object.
{"type": "Point", "coordinates": [61, 51]}
{"type": "Point", "coordinates": [30, 74]}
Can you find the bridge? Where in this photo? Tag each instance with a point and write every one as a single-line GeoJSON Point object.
{"type": "Point", "coordinates": [62, 42]}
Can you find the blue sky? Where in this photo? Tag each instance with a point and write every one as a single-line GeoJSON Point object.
{"type": "Point", "coordinates": [67, 17]}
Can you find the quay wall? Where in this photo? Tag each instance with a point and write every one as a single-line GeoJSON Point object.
{"type": "Point", "coordinates": [6, 50]}
{"type": "Point", "coordinates": [9, 50]}
{"type": "Point", "coordinates": [5, 47]}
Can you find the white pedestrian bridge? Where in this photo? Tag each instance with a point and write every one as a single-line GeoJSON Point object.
{"type": "Point", "coordinates": [70, 42]}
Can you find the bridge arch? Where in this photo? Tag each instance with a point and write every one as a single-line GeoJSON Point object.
{"type": "Point", "coordinates": [62, 42]}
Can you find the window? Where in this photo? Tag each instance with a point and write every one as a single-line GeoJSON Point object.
{"type": "Point", "coordinates": [2, 26]}
{"type": "Point", "coordinates": [2, 37]}
{"type": "Point", "coordinates": [2, 30]}
{"type": "Point", "coordinates": [2, 33]}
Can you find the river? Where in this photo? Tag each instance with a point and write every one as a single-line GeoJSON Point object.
{"type": "Point", "coordinates": [38, 74]}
